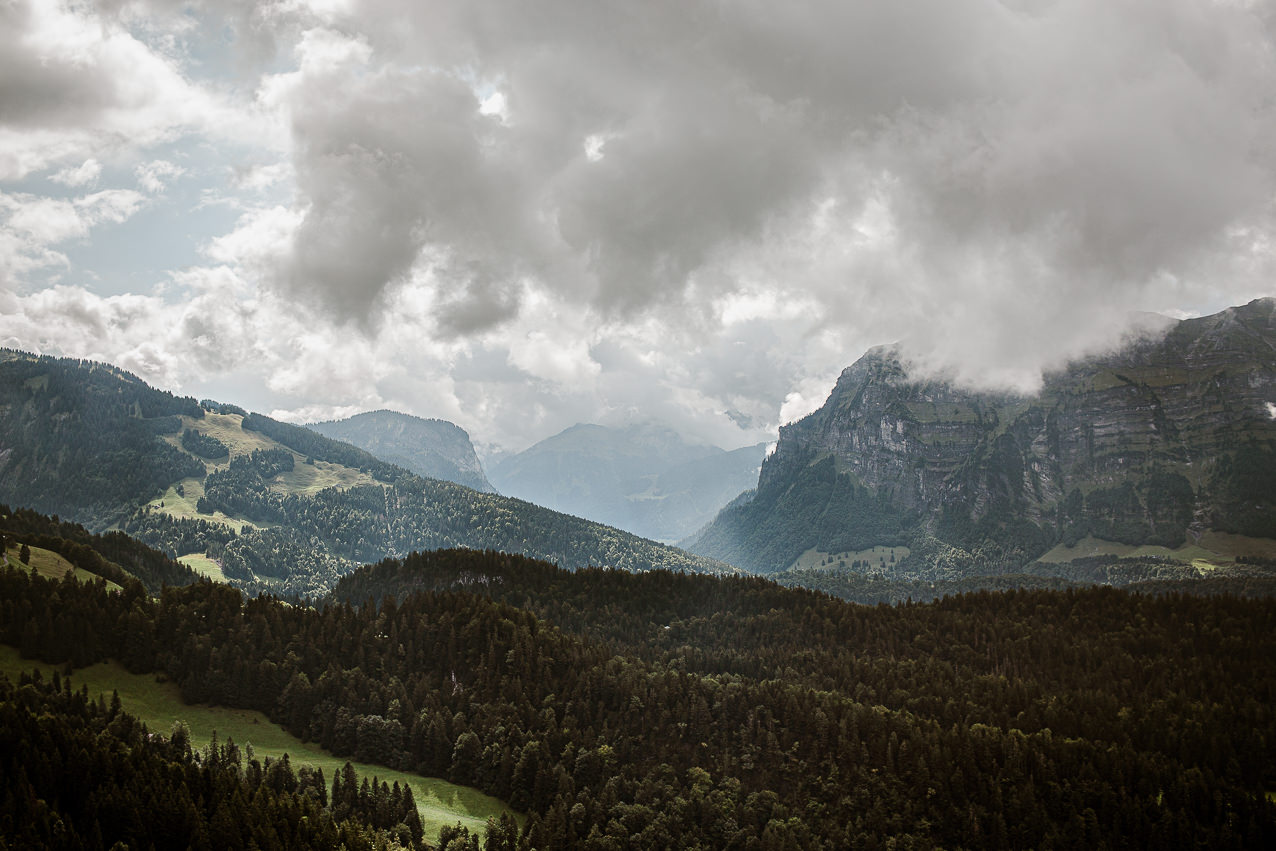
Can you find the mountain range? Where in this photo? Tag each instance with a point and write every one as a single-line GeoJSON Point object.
{"type": "Point", "coordinates": [268, 505]}
{"type": "Point", "coordinates": [1168, 443]}
{"type": "Point", "coordinates": [1164, 449]}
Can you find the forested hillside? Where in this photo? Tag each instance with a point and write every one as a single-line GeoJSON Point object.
{"type": "Point", "coordinates": [276, 507]}
{"type": "Point", "coordinates": [75, 773]}
{"type": "Point", "coordinates": [670, 710]}
{"type": "Point", "coordinates": [114, 555]}
{"type": "Point", "coordinates": [83, 439]}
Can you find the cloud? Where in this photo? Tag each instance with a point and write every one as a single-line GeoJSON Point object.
{"type": "Point", "coordinates": [153, 175]}
{"type": "Point", "coordinates": [522, 215]}
{"type": "Point", "coordinates": [86, 173]}
{"type": "Point", "coordinates": [78, 82]}
{"type": "Point", "coordinates": [33, 225]}
{"type": "Point", "coordinates": [1026, 157]}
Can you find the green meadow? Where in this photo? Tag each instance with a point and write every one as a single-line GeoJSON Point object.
{"type": "Point", "coordinates": [1210, 550]}
{"type": "Point", "coordinates": [51, 565]}
{"type": "Point", "coordinates": [816, 559]}
{"type": "Point", "coordinates": [159, 705]}
{"type": "Point", "coordinates": [204, 566]}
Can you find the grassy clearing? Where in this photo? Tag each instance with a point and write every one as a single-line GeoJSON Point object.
{"type": "Point", "coordinates": [182, 505]}
{"type": "Point", "coordinates": [1214, 549]}
{"type": "Point", "coordinates": [204, 566]}
{"type": "Point", "coordinates": [226, 428]}
{"type": "Point", "coordinates": [1238, 545]}
{"type": "Point", "coordinates": [52, 566]}
{"type": "Point", "coordinates": [159, 705]}
{"type": "Point", "coordinates": [307, 479]}
{"type": "Point", "coordinates": [814, 559]}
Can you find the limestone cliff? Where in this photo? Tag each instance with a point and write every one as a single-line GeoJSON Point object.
{"type": "Point", "coordinates": [1172, 436]}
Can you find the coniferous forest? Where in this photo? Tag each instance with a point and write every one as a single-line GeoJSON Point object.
{"type": "Point", "coordinates": [652, 710]}
{"type": "Point", "coordinates": [84, 774]}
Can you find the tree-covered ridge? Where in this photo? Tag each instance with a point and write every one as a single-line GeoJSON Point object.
{"type": "Point", "coordinates": [113, 555]}
{"type": "Point", "coordinates": [82, 439]}
{"type": "Point", "coordinates": [1152, 576]}
{"type": "Point", "coordinates": [668, 710]}
{"type": "Point", "coordinates": [78, 773]}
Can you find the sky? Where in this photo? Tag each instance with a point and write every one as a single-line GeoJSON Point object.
{"type": "Point", "coordinates": [518, 215]}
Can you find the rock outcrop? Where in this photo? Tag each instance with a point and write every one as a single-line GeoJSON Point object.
{"type": "Point", "coordinates": [1172, 436]}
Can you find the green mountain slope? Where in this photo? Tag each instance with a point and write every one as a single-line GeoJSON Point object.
{"type": "Point", "coordinates": [278, 507]}
{"type": "Point", "coordinates": [1163, 443]}
{"type": "Point", "coordinates": [435, 449]}
{"type": "Point", "coordinates": [85, 440]}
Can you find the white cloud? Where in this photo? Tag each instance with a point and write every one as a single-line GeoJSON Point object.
{"type": "Point", "coordinates": [78, 85]}
{"type": "Point", "coordinates": [33, 225]}
{"type": "Point", "coordinates": [153, 175]}
{"type": "Point", "coordinates": [86, 173]}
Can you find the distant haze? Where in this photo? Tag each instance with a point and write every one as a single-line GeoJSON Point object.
{"type": "Point", "coordinates": [643, 478]}
{"type": "Point", "coordinates": [519, 216]}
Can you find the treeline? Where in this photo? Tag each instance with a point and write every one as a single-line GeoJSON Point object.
{"type": "Point", "coordinates": [83, 439]}
{"type": "Point", "coordinates": [1246, 481]}
{"type": "Point", "coordinates": [1255, 578]}
{"type": "Point", "coordinates": [79, 773]}
{"type": "Point", "coordinates": [114, 555]}
{"type": "Point", "coordinates": [870, 589]}
{"type": "Point", "coordinates": [672, 710]}
{"type": "Point", "coordinates": [243, 488]}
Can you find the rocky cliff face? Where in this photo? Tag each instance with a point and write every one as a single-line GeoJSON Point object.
{"type": "Point", "coordinates": [1170, 437]}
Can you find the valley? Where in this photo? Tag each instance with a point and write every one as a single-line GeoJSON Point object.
{"type": "Point", "coordinates": [915, 623]}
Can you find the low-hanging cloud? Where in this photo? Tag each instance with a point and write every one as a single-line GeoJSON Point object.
{"type": "Point", "coordinates": [1028, 159]}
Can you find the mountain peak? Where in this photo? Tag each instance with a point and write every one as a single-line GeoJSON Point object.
{"type": "Point", "coordinates": [434, 448]}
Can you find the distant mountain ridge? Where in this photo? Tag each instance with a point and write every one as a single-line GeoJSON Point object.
{"type": "Point", "coordinates": [436, 449]}
{"type": "Point", "coordinates": [643, 477]}
{"type": "Point", "coordinates": [1169, 439]}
